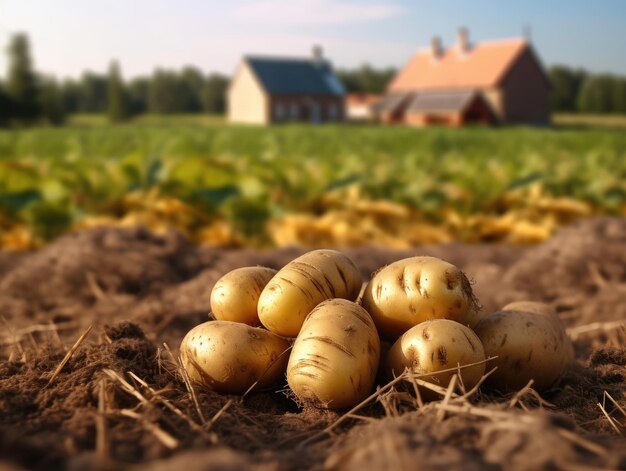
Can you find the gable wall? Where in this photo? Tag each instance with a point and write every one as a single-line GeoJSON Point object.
{"type": "Point", "coordinates": [525, 92]}
{"type": "Point", "coordinates": [494, 97]}
{"type": "Point", "coordinates": [246, 101]}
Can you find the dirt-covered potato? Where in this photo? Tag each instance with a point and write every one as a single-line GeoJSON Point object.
{"type": "Point", "coordinates": [437, 345]}
{"type": "Point", "coordinates": [415, 290]}
{"type": "Point", "coordinates": [530, 343]}
{"type": "Point", "coordinates": [229, 357]}
{"type": "Point", "coordinates": [545, 310]}
{"type": "Point", "coordinates": [235, 296]}
{"type": "Point", "coordinates": [304, 283]}
{"type": "Point", "coordinates": [531, 306]}
{"type": "Point", "coordinates": [335, 358]}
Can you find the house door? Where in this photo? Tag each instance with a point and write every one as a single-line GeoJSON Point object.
{"type": "Point", "coordinates": [315, 112]}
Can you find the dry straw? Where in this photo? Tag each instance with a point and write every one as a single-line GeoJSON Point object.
{"type": "Point", "coordinates": [69, 354]}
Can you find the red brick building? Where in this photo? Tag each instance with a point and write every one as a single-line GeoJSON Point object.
{"type": "Point", "coordinates": [496, 81]}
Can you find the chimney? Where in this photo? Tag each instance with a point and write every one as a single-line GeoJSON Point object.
{"type": "Point", "coordinates": [317, 53]}
{"type": "Point", "coordinates": [435, 47]}
{"type": "Point", "coordinates": [463, 40]}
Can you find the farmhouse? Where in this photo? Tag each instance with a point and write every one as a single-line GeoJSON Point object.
{"type": "Point", "coordinates": [496, 81]}
{"type": "Point", "coordinates": [268, 90]}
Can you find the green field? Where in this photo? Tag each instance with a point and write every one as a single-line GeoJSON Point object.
{"type": "Point", "coordinates": [606, 121]}
{"type": "Point", "coordinates": [53, 179]}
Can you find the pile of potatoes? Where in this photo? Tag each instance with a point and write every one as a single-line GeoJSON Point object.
{"type": "Point", "coordinates": [314, 322]}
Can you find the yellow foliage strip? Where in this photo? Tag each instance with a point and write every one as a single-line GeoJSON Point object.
{"type": "Point", "coordinates": [342, 228]}
{"type": "Point", "coordinates": [535, 198]}
{"type": "Point", "coordinates": [530, 217]}
{"type": "Point", "coordinates": [523, 216]}
{"type": "Point", "coordinates": [18, 237]}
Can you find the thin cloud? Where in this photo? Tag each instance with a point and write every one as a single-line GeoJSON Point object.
{"type": "Point", "coordinates": [315, 12]}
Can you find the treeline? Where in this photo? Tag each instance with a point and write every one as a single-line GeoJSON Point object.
{"type": "Point", "coordinates": [366, 79]}
{"type": "Point", "coordinates": [575, 90]}
{"type": "Point", "coordinates": [28, 97]}
{"type": "Point", "coordinates": [166, 91]}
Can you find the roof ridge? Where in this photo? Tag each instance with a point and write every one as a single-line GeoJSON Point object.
{"type": "Point", "coordinates": [284, 58]}
{"type": "Point", "coordinates": [484, 64]}
{"type": "Point", "coordinates": [486, 42]}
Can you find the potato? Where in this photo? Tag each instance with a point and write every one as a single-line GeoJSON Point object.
{"type": "Point", "coordinates": [529, 343]}
{"type": "Point", "coordinates": [304, 283]}
{"type": "Point", "coordinates": [474, 315]}
{"type": "Point", "coordinates": [229, 357]}
{"type": "Point", "coordinates": [437, 345]}
{"type": "Point", "coordinates": [335, 358]}
{"type": "Point", "coordinates": [531, 306]}
{"type": "Point", "coordinates": [546, 310]}
{"type": "Point", "coordinates": [235, 295]}
{"type": "Point", "coordinates": [415, 290]}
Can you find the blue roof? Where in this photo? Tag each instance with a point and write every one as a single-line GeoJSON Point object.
{"type": "Point", "coordinates": [295, 76]}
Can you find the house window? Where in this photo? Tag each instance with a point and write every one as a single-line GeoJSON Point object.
{"type": "Point", "coordinates": [279, 111]}
{"type": "Point", "coordinates": [333, 112]}
{"type": "Point", "coordinates": [294, 111]}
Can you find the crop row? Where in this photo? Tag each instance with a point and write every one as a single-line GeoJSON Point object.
{"type": "Point", "coordinates": [291, 184]}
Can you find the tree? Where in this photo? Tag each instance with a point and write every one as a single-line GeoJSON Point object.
{"type": "Point", "coordinates": [92, 97]}
{"type": "Point", "coordinates": [5, 107]}
{"type": "Point", "coordinates": [21, 86]}
{"type": "Point", "coordinates": [618, 95]}
{"type": "Point", "coordinates": [214, 94]}
{"type": "Point", "coordinates": [51, 101]}
{"type": "Point", "coordinates": [190, 86]}
{"type": "Point", "coordinates": [366, 79]}
{"type": "Point", "coordinates": [596, 94]}
{"type": "Point", "coordinates": [162, 93]}
{"type": "Point", "coordinates": [117, 106]}
{"type": "Point", "coordinates": [70, 96]}
{"type": "Point", "coordinates": [138, 90]}
{"type": "Point", "coordinates": [566, 85]}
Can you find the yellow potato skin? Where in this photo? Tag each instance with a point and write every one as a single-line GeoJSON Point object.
{"type": "Point", "coordinates": [304, 283]}
{"type": "Point", "coordinates": [335, 357]}
{"type": "Point", "coordinates": [415, 290]}
{"type": "Point", "coordinates": [235, 296]}
{"type": "Point", "coordinates": [529, 344]}
{"type": "Point", "coordinates": [229, 357]}
{"type": "Point", "coordinates": [531, 306]}
{"type": "Point", "coordinates": [545, 310]}
{"type": "Point", "coordinates": [433, 346]}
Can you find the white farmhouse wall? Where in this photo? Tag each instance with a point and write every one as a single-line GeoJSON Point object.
{"type": "Point", "coordinates": [246, 101]}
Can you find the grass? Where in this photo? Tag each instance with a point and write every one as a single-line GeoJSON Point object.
{"type": "Point", "coordinates": [190, 119]}
{"type": "Point", "coordinates": [614, 121]}
{"type": "Point", "coordinates": [197, 170]}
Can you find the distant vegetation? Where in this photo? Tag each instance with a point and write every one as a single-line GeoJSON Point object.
{"type": "Point", "coordinates": [366, 79]}
{"type": "Point", "coordinates": [580, 120]}
{"type": "Point", "coordinates": [575, 90]}
{"type": "Point", "coordinates": [28, 98]}
{"type": "Point", "coordinates": [329, 185]}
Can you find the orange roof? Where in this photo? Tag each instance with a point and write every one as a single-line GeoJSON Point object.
{"type": "Point", "coordinates": [484, 65]}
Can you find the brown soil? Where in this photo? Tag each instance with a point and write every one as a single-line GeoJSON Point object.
{"type": "Point", "coordinates": [140, 290]}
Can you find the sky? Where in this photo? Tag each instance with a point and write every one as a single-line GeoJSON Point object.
{"type": "Point", "coordinates": [71, 36]}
